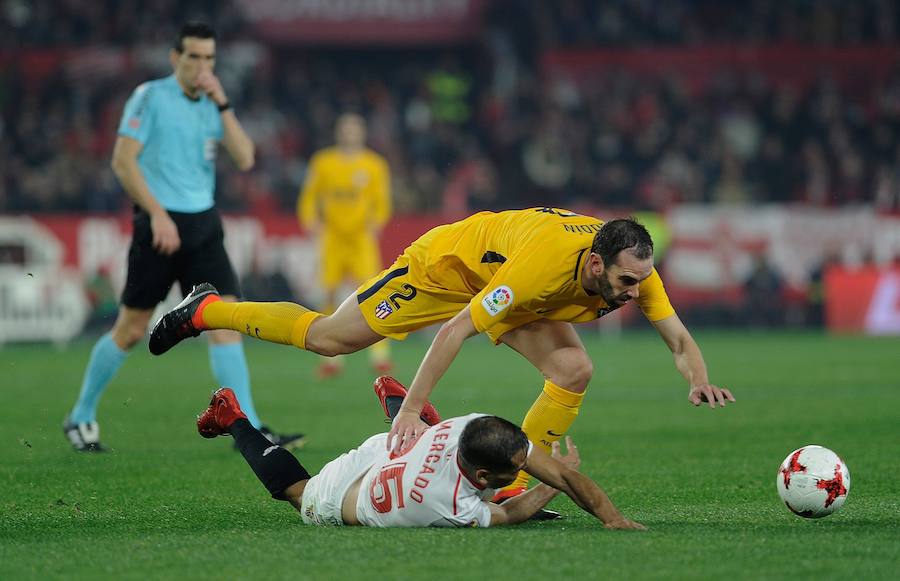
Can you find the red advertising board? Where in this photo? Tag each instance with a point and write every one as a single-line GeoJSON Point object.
{"type": "Point", "coordinates": [47, 262]}
{"type": "Point", "coordinates": [789, 64]}
{"type": "Point", "coordinates": [863, 300]}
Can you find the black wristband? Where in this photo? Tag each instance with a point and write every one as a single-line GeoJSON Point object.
{"type": "Point", "coordinates": [224, 106]}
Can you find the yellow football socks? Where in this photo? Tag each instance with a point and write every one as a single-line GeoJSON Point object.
{"type": "Point", "coordinates": [548, 420]}
{"type": "Point", "coordinates": [285, 323]}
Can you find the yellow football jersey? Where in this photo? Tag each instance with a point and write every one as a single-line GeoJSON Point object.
{"type": "Point", "coordinates": [345, 194]}
{"type": "Point", "coordinates": [511, 267]}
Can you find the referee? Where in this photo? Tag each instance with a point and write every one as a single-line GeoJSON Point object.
{"type": "Point", "coordinates": [165, 157]}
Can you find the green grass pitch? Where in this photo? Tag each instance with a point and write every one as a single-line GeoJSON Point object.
{"type": "Point", "coordinates": [168, 504]}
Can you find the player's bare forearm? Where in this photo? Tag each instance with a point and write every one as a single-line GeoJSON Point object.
{"type": "Point", "coordinates": [689, 362]}
{"type": "Point", "coordinates": [688, 358]}
{"type": "Point", "coordinates": [440, 355]}
{"type": "Point", "coordinates": [238, 144]}
{"type": "Point", "coordinates": [520, 508]}
{"type": "Point", "coordinates": [166, 239]}
{"type": "Point", "coordinates": [589, 496]}
{"type": "Point", "coordinates": [128, 172]}
{"type": "Point", "coordinates": [408, 425]}
{"type": "Point", "coordinates": [443, 351]}
{"type": "Point", "coordinates": [560, 472]}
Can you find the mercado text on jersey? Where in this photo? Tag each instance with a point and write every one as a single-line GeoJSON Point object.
{"type": "Point", "coordinates": [425, 486]}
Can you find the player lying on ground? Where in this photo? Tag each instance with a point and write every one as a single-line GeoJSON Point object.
{"type": "Point", "coordinates": [521, 276]}
{"type": "Point", "coordinates": [445, 479]}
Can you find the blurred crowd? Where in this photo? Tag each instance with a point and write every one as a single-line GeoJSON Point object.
{"type": "Point", "coordinates": [41, 24]}
{"type": "Point", "coordinates": [480, 126]}
{"type": "Point", "coordinates": [632, 141]}
{"type": "Point", "coordinates": [641, 23]}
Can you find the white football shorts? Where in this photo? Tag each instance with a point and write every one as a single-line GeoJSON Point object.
{"type": "Point", "coordinates": [324, 493]}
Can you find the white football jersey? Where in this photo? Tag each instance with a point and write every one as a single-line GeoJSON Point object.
{"type": "Point", "coordinates": [425, 486]}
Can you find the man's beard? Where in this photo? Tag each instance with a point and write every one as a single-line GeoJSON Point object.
{"type": "Point", "coordinates": [607, 294]}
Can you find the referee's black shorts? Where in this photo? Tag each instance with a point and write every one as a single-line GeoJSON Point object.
{"type": "Point", "coordinates": [201, 258]}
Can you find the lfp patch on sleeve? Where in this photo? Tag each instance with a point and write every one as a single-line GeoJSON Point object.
{"type": "Point", "coordinates": [497, 300]}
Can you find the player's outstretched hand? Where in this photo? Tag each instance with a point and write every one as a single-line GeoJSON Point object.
{"type": "Point", "coordinates": [571, 459]}
{"type": "Point", "coordinates": [707, 392]}
{"type": "Point", "coordinates": [624, 524]}
{"type": "Point", "coordinates": [165, 233]}
{"type": "Point", "coordinates": [407, 428]}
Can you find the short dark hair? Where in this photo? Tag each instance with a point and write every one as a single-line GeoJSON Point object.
{"type": "Point", "coordinates": [193, 30]}
{"type": "Point", "coordinates": [490, 443]}
{"type": "Point", "coordinates": [622, 234]}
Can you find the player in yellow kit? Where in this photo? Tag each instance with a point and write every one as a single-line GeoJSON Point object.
{"type": "Point", "coordinates": [522, 277]}
{"type": "Point", "coordinates": [346, 202]}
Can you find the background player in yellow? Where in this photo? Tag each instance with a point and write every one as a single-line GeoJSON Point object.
{"type": "Point", "coordinates": [346, 202]}
{"type": "Point", "coordinates": [521, 276]}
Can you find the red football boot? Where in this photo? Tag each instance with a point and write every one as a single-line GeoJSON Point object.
{"type": "Point", "coordinates": [223, 411]}
{"type": "Point", "coordinates": [386, 386]}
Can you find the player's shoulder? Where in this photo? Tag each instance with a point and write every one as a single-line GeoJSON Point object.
{"type": "Point", "coordinates": [324, 155]}
{"type": "Point", "coordinates": [152, 88]}
{"type": "Point", "coordinates": [554, 228]}
{"type": "Point", "coordinates": [654, 280]}
{"type": "Point", "coordinates": [143, 92]}
{"type": "Point", "coordinates": [556, 215]}
{"type": "Point", "coordinates": [373, 157]}
{"type": "Point", "coordinates": [162, 84]}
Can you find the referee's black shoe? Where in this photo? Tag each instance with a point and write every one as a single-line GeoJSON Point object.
{"type": "Point", "coordinates": [183, 321]}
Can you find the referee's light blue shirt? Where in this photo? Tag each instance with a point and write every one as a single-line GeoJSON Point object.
{"type": "Point", "coordinates": [180, 138]}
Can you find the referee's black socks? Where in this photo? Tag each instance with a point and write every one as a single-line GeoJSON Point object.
{"type": "Point", "coordinates": [275, 467]}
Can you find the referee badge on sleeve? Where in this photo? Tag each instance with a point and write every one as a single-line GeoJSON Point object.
{"type": "Point", "coordinates": [497, 300]}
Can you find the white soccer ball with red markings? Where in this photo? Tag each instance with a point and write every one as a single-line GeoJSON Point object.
{"type": "Point", "coordinates": [813, 482]}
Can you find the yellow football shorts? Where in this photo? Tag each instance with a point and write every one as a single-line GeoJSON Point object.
{"type": "Point", "coordinates": [396, 301]}
{"type": "Point", "coordinates": [342, 257]}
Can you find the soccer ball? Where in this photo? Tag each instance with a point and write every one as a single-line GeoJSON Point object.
{"type": "Point", "coordinates": [813, 482]}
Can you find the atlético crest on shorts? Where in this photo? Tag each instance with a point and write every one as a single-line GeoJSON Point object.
{"type": "Point", "coordinates": [383, 310]}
